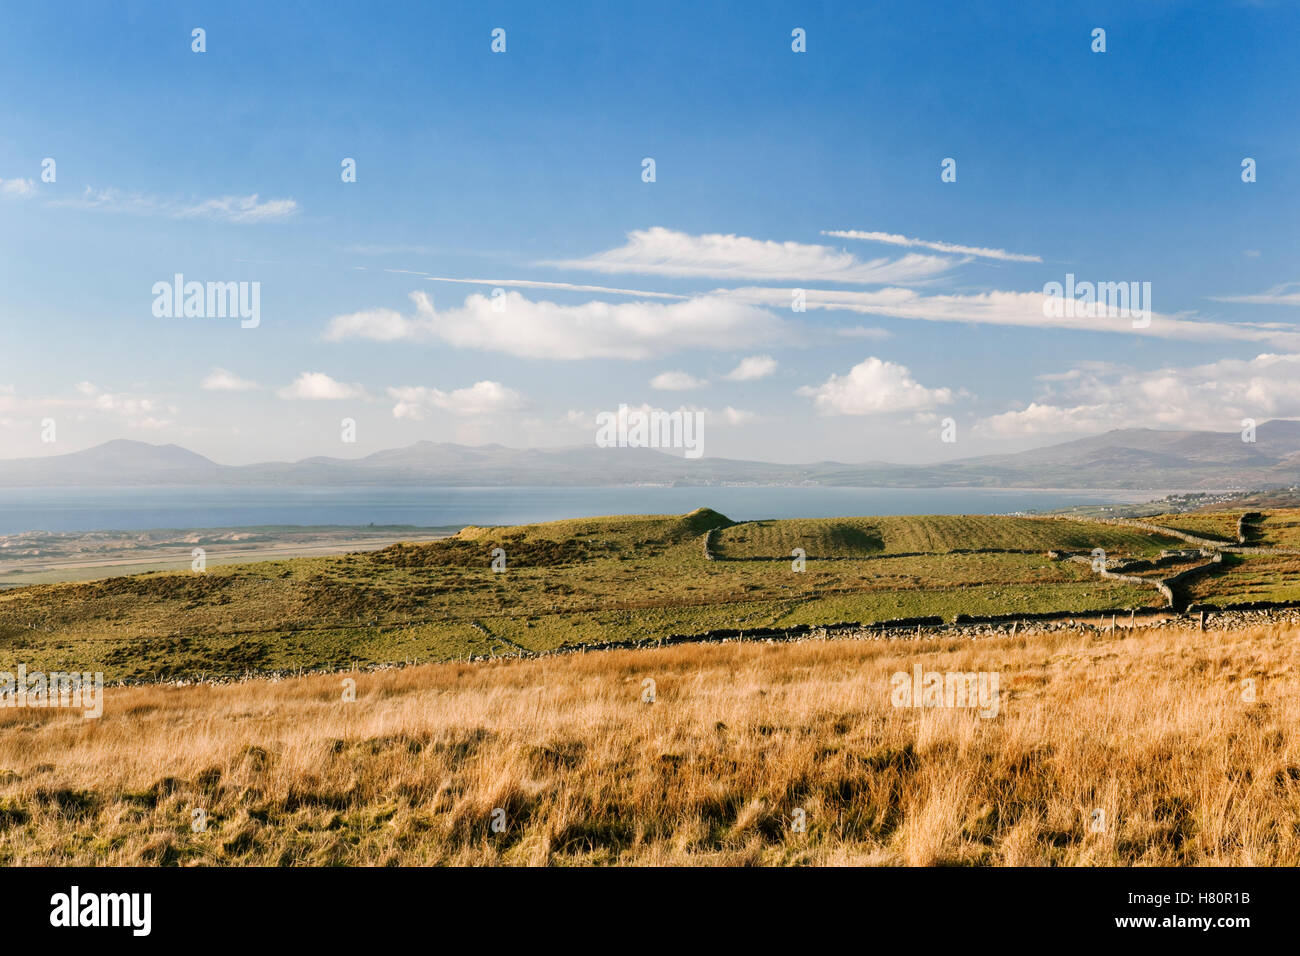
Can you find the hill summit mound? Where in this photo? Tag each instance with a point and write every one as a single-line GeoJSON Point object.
{"type": "Point", "coordinates": [629, 528]}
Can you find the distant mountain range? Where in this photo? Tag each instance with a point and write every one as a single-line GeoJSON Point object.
{"type": "Point", "coordinates": [1135, 458]}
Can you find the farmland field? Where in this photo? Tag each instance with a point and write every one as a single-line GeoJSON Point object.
{"type": "Point", "coordinates": [1273, 528]}
{"type": "Point", "coordinates": [935, 534]}
{"type": "Point", "coordinates": [1215, 525]}
{"type": "Point", "coordinates": [1247, 578]}
{"type": "Point", "coordinates": [635, 578]}
{"type": "Point", "coordinates": [1277, 529]}
{"type": "Point", "coordinates": [624, 579]}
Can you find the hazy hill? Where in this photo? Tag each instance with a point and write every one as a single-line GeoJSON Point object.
{"type": "Point", "coordinates": [1127, 458]}
{"type": "Point", "coordinates": [118, 462]}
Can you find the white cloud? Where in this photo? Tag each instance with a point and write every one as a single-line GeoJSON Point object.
{"type": "Point", "coordinates": [752, 368]}
{"type": "Point", "coordinates": [558, 286]}
{"type": "Point", "coordinates": [893, 239]}
{"type": "Point", "coordinates": [236, 209]}
{"type": "Point", "coordinates": [17, 188]}
{"type": "Point", "coordinates": [128, 406]}
{"type": "Point", "coordinates": [875, 387]}
{"type": "Point", "coordinates": [1044, 419]}
{"type": "Point", "coordinates": [1023, 309]}
{"type": "Point", "coordinates": [378, 325]}
{"type": "Point", "coordinates": [625, 330]}
{"type": "Point", "coordinates": [220, 380]}
{"type": "Point", "coordinates": [713, 418]}
{"type": "Point", "coordinates": [114, 200]}
{"type": "Point", "coordinates": [10, 402]}
{"type": "Point", "coordinates": [666, 252]}
{"type": "Point", "coordinates": [1096, 397]}
{"type": "Point", "coordinates": [676, 381]}
{"type": "Point", "coordinates": [481, 398]}
{"type": "Point", "coordinates": [242, 209]}
{"type": "Point", "coordinates": [737, 417]}
{"type": "Point", "coordinates": [319, 386]}
{"type": "Point", "coordinates": [131, 410]}
{"type": "Point", "coordinates": [1288, 293]}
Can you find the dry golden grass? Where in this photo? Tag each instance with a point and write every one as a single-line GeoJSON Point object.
{"type": "Point", "coordinates": [1150, 727]}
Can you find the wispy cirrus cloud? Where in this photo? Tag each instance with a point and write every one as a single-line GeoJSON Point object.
{"type": "Point", "coordinates": [241, 209]}
{"type": "Point", "coordinates": [557, 286]}
{"type": "Point", "coordinates": [893, 239]}
{"type": "Point", "coordinates": [1022, 309]}
{"type": "Point", "coordinates": [393, 249]}
{"type": "Point", "coordinates": [1288, 293]}
{"type": "Point", "coordinates": [519, 326]}
{"type": "Point", "coordinates": [17, 188]}
{"type": "Point", "coordinates": [667, 252]}
{"type": "Point", "coordinates": [234, 209]}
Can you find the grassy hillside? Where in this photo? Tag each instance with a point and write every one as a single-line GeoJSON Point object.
{"type": "Point", "coordinates": [565, 583]}
{"type": "Point", "coordinates": [1149, 727]}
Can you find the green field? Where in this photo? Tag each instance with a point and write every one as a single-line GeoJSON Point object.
{"type": "Point", "coordinates": [937, 534]}
{"type": "Point", "coordinates": [1274, 528]}
{"type": "Point", "coordinates": [1215, 525]}
{"type": "Point", "coordinates": [1277, 529]}
{"type": "Point", "coordinates": [565, 583]}
{"type": "Point", "coordinates": [1250, 577]}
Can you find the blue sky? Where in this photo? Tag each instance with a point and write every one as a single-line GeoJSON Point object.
{"type": "Point", "coordinates": [526, 166]}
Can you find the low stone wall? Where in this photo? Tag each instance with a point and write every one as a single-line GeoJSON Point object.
{"type": "Point", "coordinates": [1243, 606]}
{"type": "Point", "coordinates": [879, 556]}
{"type": "Point", "coordinates": [708, 544]}
{"type": "Point", "coordinates": [1164, 585]}
{"type": "Point", "coordinates": [792, 632]}
{"type": "Point", "coordinates": [1205, 543]}
{"type": "Point", "coordinates": [1055, 615]}
{"type": "Point", "coordinates": [1168, 584]}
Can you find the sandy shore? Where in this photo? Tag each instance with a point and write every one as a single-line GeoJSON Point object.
{"type": "Point", "coordinates": [46, 558]}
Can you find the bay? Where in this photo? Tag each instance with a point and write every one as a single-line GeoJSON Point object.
{"type": "Point", "coordinates": [140, 508]}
